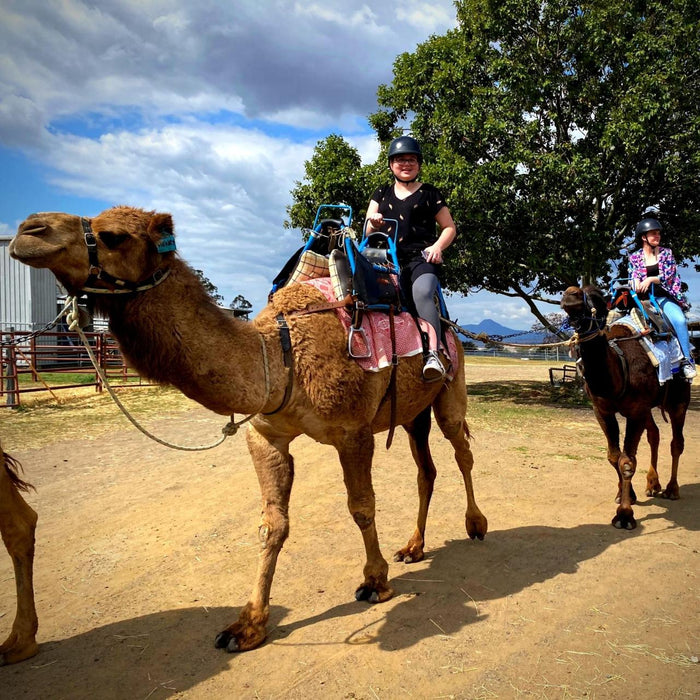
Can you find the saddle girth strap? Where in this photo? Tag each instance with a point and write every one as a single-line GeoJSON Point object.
{"type": "Point", "coordinates": [624, 366]}
{"type": "Point", "coordinates": [286, 343]}
{"type": "Point", "coordinates": [392, 381]}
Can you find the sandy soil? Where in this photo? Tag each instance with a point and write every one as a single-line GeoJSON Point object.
{"type": "Point", "coordinates": [145, 553]}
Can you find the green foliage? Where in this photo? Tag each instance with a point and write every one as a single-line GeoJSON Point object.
{"type": "Point", "coordinates": [211, 289]}
{"type": "Point", "coordinates": [334, 175]}
{"type": "Point", "coordinates": [240, 303]}
{"type": "Point", "coordinates": [550, 126]}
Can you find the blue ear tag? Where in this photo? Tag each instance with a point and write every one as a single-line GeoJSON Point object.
{"type": "Point", "coordinates": [167, 243]}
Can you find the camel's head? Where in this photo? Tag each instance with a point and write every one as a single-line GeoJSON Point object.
{"type": "Point", "coordinates": [586, 308]}
{"type": "Point", "coordinates": [127, 246]}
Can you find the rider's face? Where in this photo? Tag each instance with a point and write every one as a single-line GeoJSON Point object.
{"type": "Point", "coordinates": [405, 167]}
{"type": "Point", "coordinates": [653, 238]}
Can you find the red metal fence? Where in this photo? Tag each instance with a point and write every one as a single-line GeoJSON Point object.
{"type": "Point", "coordinates": [43, 358]}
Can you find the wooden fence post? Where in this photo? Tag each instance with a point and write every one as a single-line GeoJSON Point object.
{"type": "Point", "coordinates": [11, 377]}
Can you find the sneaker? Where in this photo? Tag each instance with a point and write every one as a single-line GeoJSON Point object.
{"type": "Point", "coordinates": [689, 371]}
{"type": "Point", "coordinates": [433, 369]}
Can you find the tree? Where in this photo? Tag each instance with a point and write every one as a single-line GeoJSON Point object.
{"type": "Point", "coordinates": [550, 126]}
{"type": "Point", "coordinates": [241, 307]}
{"type": "Point", "coordinates": [210, 288]}
{"type": "Point", "coordinates": [334, 175]}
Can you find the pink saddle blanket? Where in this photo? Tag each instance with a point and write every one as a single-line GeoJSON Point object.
{"type": "Point", "coordinates": [377, 335]}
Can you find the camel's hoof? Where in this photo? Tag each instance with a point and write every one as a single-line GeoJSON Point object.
{"type": "Point", "coordinates": [373, 594]}
{"type": "Point", "coordinates": [366, 593]}
{"type": "Point", "coordinates": [476, 527]}
{"type": "Point", "coordinates": [408, 555]}
{"type": "Point", "coordinates": [226, 640]}
{"type": "Point", "coordinates": [622, 523]}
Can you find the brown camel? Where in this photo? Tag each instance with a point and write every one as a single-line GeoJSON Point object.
{"type": "Point", "coordinates": [620, 378]}
{"type": "Point", "coordinates": [171, 332]}
{"type": "Point", "coordinates": [17, 525]}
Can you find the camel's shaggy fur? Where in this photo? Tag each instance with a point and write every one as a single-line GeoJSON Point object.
{"type": "Point", "coordinates": [174, 333]}
{"type": "Point", "coordinates": [631, 393]}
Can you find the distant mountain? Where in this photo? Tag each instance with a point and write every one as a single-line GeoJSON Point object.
{"type": "Point", "coordinates": [510, 335]}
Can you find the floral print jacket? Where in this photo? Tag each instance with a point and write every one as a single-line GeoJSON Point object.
{"type": "Point", "coordinates": [668, 274]}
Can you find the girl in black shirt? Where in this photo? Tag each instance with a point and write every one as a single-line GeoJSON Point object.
{"type": "Point", "coordinates": [417, 207]}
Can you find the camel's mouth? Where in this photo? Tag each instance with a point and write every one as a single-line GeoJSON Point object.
{"type": "Point", "coordinates": [29, 249]}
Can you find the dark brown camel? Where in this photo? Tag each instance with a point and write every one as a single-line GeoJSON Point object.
{"type": "Point", "coordinates": [172, 332]}
{"type": "Point", "coordinates": [620, 378]}
{"type": "Point", "coordinates": [17, 525]}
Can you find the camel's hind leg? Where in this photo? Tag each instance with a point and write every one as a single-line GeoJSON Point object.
{"type": "Point", "coordinates": [356, 450]}
{"type": "Point", "coordinates": [677, 417]}
{"type": "Point", "coordinates": [275, 469]}
{"type": "Point", "coordinates": [418, 431]}
{"type": "Point", "coordinates": [450, 408]}
{"type": "Point", "coordinates": [653, 485]}
{"type": "Point", "coordinates": [18, 524]}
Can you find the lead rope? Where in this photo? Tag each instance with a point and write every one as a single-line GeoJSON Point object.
{"type": "Point", "coordinates": [231, 428]}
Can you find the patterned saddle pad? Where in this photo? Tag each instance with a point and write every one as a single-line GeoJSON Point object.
{"type": "Point", "coordinates": [375, 325]}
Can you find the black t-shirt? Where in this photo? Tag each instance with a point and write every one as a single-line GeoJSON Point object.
{"type": "Point", "coordinates": [416, 217]}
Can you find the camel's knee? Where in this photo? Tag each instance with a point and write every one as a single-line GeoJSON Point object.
{"type": "Point", "coordinates": [455, 430]}
{"type": "Point", "coordinates": [363, 519]}
{"type": "Point", "coordinates": [274, 529]}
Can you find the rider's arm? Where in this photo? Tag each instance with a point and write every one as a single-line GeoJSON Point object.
{"type": "Point", "coordinates": [433, 253]}
{"type": "Point", "coordinates": [374, 219]}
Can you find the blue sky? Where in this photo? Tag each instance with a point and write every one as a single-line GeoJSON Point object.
{"type": "Point", "coordinates": [206, 110]}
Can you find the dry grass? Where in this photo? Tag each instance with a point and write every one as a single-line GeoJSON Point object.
{"type": "Point", "coordinates": [42, 420]}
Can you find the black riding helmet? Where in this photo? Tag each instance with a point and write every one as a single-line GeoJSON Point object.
{"type": "Point", "coordinates": [405, 145]}
{"type": "Point", "coordinates": [646, 225]}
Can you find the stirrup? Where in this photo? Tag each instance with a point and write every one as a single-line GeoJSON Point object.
{"type": "Point", "coordinates": [361, 332]}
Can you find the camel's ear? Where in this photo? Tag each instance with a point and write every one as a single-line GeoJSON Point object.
{"type": "Point", "coordinates": [162, 231]}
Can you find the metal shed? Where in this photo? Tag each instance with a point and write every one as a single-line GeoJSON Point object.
{"type": "Point", "coordinates": [27, 295]}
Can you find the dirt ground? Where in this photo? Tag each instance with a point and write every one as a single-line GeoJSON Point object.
{"type": "Point", "coordinates": [144, 554]}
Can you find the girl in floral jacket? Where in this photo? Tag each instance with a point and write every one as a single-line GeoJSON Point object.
{"type": "Point", "coordinates": [654, 265]}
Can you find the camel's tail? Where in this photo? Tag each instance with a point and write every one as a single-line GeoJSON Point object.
{"type": "Point", "coordinates": [13, 469]}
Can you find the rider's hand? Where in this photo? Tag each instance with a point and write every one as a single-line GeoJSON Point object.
{"type": "Point", "coordinates": [433, 254]}
{"type": "Point", "coordinates": [376, 221]}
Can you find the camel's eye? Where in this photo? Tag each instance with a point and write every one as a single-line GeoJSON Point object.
{"type": "Point", "coordinates": [111, 239]}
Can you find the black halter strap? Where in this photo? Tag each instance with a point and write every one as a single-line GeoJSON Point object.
{"type": "Point", "coordinates": [115, 284]}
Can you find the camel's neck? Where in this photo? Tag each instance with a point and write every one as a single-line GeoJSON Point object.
{"type": "Point", "coordinates": [602, 367]}
{"type": "Point", "coordinates": [174, 334]}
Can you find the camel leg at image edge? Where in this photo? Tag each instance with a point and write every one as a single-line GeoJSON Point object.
{"type": "Point", "coordinates": [418, 432]}
{"type": "Point", "coordinates": [18, 525]}
{"type": "Point", "coordinates": [356, 452]}
{"type": "Point", "coordinates": [653, 484]}
{"type": "Point", "coordinates": [275, 469]}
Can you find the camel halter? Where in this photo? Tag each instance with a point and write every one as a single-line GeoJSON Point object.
{"type": "Point", "coordinates": [116, 285]}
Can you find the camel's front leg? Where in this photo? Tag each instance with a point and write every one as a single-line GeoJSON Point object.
{"type": "Point", "coordinates": [653, 485]}
{"type": "Point", "coordinates": [611, 430]}
{"type": "Point", "coordinates": [356, 451]}
{"type": "Point", "coordinates": [624, 518]}
{"type": "Point", "coordinates": [275, 469]}
{"type": "Point", "coordinates": [18, 524]}
{"type": "Point", "coordinates": [418, 432]}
